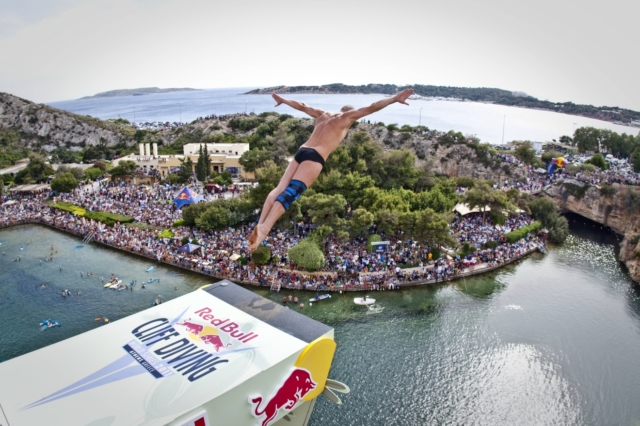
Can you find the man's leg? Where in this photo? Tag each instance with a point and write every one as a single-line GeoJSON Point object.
{"type": "Point", "coordinates": [307, 173]}
{"type": "Point", "coordinates": [271, 198]}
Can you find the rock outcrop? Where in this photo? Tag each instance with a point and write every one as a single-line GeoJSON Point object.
{"type": "Point", "coordinates": [42, 126]}
{"type": "Point", "coordinates": [618, 211]}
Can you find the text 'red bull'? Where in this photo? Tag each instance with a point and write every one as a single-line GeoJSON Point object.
{"type": "Point", "coordinates": [225, 325]}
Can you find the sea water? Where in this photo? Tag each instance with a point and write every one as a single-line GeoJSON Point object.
{"type": "Point", "coordinates": [491, 123]}
{"type": "Point", "coordinates": [552, 339]}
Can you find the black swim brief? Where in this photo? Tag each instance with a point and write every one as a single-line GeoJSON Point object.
{"type": "Point", "coordinates": [308, 154]}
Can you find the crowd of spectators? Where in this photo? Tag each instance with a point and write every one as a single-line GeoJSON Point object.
{"type": "Point", "coordinates": [223, 253]}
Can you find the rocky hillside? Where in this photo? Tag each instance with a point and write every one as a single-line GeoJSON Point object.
{"type": "Point", "coordinates": [40, 126]}
{"type": "Point", "coordinates": [442, 154]}
{"type": "Point", "coordinates": [619, 211]}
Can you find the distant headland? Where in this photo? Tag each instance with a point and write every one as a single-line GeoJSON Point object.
{"type": "Point", "coordinates": [137, 92]}
{"type": "Point", "coordinates": [475, 94]}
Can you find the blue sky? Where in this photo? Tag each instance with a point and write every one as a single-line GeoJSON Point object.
{"type": "Point", "coordinates": [557, 50]}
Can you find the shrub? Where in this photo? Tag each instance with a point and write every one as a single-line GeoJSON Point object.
{"type": "Point", "coordinates": [307, 255]}
{"type": "Point", "coordinates": [372, 239]}
{"type": "Point", "coordinates": [607, 191]}
{"type": "Point", "coordinates": [519, 234]}
{"type": "Point", "coordinates": [66, 182]}
{"type": "Point", "coordinates": [71, 208]}
{"type": "Point", "coordinates": [178, 223]}
{"type": "Point", "coordinates": [167, 233]}
{"type": "Point", "coordinates": [261, 255]}
{"type": "Point", "coordinates": [559, 230]}
{"type": "Point", "coordinates": [93, 173]}
{"type": "Point", "coordinates": [491, 245]}
{"type": "Point", "coordinates": [195, 241]}
{"type": "Point", "coordinates": [576, 190]}
{"type": "Point", "coordinates": [108, 219]}
{"type": "Point", "coordinates": [435, 253]}
{"type": "Point", "coordinates": [598, 161]}
{"type": "Point", "coordinates": [184, 240]}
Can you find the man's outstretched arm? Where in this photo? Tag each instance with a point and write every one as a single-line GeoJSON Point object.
{"type": "Point", "coordinates": [400, 97]}
{"type": "Point", "coordinates": [300, 106]}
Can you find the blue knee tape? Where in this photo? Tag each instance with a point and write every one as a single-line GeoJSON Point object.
{"type": "Point", "coordinates": [291, 194]}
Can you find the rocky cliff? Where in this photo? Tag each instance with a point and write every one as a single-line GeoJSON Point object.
{"type": "Point", "coordinates": [41, 126]}
{"type": "Point", "coordinates": [619, 211]}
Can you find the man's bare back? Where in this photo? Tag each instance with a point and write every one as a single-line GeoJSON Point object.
{"type": "Point", "coordinates": [330, 129]}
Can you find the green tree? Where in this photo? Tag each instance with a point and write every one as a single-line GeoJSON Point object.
{"type": "Point", "coordinates": [214, 217]}
{"type": "Point", "coordinates": [526, 153]}
{"type": "Point", "coordinates": [482, 196]}
{"type": "Point", "coordinates": [387, 221]}
{"type": "Point", "coordinates": [360, 221]}
{"type": "Point", "coordinates": [376, 199]}
{"type": "Point", "coordinates": [268, 178]}
{"type": "Point", "coordinates": [124, 168]}
{"type": "Point", "coordinates": [261, 256]}
{"type": "Point", "coordinates": [559, 230]}
{"type": "Point", "coordinates": [253, 159]}
{"type": "Point", "coordinates": [635, 160]}
{"type": "Point", "coordinates": [587, 138]}
{"type": "Point", "coordinates": [326, 210]}
{"type": "Point", "coordinates": [186, 170]}
{"type": "Point", "coordinates": [1, 187]}
{"type": "Point", "coordinates": [395, 169]}
{"type": "Point", "coordinates": [280, 144]}
{"type": "Point", "coordinates": [77, 172]}
{"type": "Point", "coordinates": [192, 212]}
{"type": "Point", "coordinates": [36, 171]}
{"type": "Point", "coordinates": [598, 161]}
{"type": "Point", "coordinates": [432, 227]}
{"type": "Point", "coordinates": [201, 166]}
{"type": "Point", "coordinates": [64, 183]}
{"type": "Point", "coordinates": [307, 255]}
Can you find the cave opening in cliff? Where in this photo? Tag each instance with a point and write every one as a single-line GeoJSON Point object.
{"type": "Point", "coordinates": [587, 228]}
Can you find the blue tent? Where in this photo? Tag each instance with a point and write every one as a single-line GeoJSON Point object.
{"type": "Point", "coordinates": [189, 248]}
{"type": "Point", "coordinates": [187, 196]}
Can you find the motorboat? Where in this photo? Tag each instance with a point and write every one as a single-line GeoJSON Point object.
{"type": "Point", "coordinates": [116, 284]}
{"type": "Point", "coordinates": [364, 301]}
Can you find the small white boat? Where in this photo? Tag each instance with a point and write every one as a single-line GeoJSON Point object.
{"type": "Point", "coordinates": [364, 301]}
{"type": "Point", "coordinates": [109, 284]}
{"type": "Point", "coordinates": [320, 297]}
{"type": "Point", "coordinates": [116, 284]}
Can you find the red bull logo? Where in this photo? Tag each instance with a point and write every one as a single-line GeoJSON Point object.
{"type": "Point", "coordinates": [211, 335]}
{"type": "Point", "coordinates": [296, 386]}
{"type": "Point", "coordinates": [183, 196]}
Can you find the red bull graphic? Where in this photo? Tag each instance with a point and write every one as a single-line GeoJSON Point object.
{"type": "Point", "coordinates": [213, 339]}
{"type": "Point", "coordinates": [295, 387]}
{"type": "Point", "coordinates": [191, 327]}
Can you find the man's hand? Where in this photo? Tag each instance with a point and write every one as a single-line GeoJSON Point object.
{"type": "Point", "coordinates": [402, 96]}
{"type": "Point", "coordinates": [279, 99]}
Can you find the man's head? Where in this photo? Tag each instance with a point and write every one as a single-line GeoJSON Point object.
{"type": "Point", "coordinates": [347, 108]}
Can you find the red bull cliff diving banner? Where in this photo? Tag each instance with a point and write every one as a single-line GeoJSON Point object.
{"type": "Point", "coordinates": [195, 360]}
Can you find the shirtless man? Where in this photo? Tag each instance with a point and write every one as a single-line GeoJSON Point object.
{"type": "Point", "coordinates": [330, 129]}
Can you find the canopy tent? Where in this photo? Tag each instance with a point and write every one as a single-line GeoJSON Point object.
{"type": "Point", "coordinates": [189, 248]}
{"type": "Point", "coordinates": [463, 209]}
{"type": "Point", "coordinates": [187, 196]}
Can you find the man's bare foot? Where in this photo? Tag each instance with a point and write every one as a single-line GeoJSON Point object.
{"type": "Point", "coordinates": [253, 236]}
{"type": "Point", "coordinates": [260, 237]}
